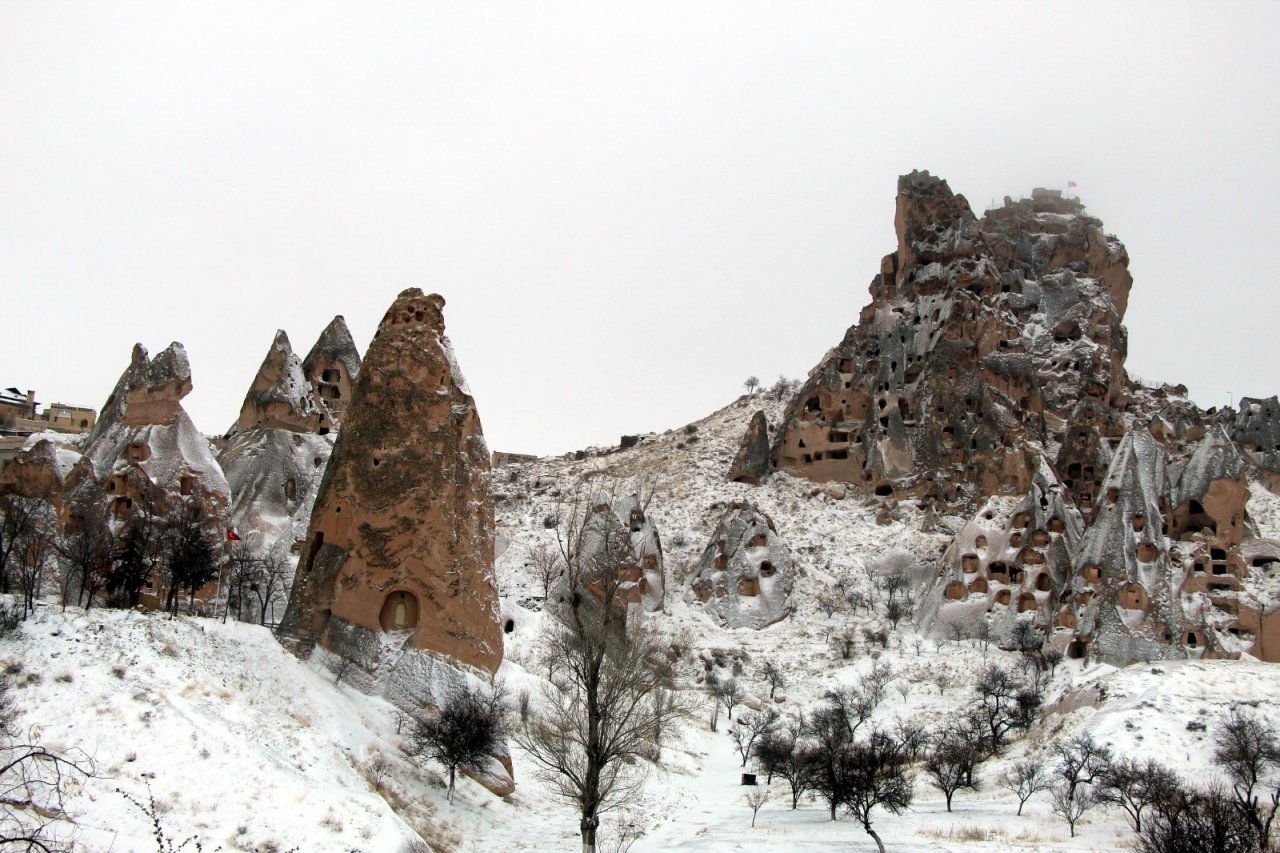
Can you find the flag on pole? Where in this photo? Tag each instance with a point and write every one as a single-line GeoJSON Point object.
{"type": "Point", "coordinates": [1071, 183]}
{"type": "Point", "coordinates": [232, 536]}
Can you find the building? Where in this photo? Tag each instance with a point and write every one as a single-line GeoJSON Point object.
{"type": "Point", "coordinates": [64, 417]}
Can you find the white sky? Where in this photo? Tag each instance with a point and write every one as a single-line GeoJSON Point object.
{"type": "Point", "coordinates": [629, 207]}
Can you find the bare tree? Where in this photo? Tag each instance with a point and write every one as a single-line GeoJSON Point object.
{"type": "Point", "coordinates": [33, 553]}
{"type": "Point", "coordinates": [1071, 805]}
{"type": "Point", "coordinates": [773, 676]}
{"type": "Point", "coordinates": [1248, 750]}
{"type": "Point", "coordinates": [547, 566]}
{"type": "Point", "coordinates": [85, 547]}
{"type": "Point", "coordinates": [725, 691]}
{"type": "Point", "coordinates": [1081, 761]}
{"type": "Point", "coordinates": [599, 717]}
{"type": "Point", "coordinates": [17, 514]}
{"type": "Point", "coordinates": [464, 732]}
{"type": "Point", "coordinates": [751, 384]}
{"type": "Point", "coordinates": [1005, 703]}
{"type": "Point", "coordinates": [952, 762]}
{"type": "Point", "coordinates": [877, 777]}
{"type": "Point", "coordinates": [274, 574]}
{"type": "Point", "coordinates": [1198, 822]}
{"type": "Point", "coordinates": [189, 560]}
{"type": "Point", "coordinates": [1025, 779]}
{"type": "Point", "coordinates": [1134, 785]}
{"type": "Point", "coordinates": [750, 728]}
{"type": "Point", "coordinates": [242, 574]}
{"type": "Point", "coordinates": [755, 800]}
{"type": "Point", "coordinates": [780, 754]}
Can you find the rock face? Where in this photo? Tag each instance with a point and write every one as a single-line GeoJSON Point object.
{"type": "Point", "coordinates": [986, 376]}
{"type": "Point", "coordinates": [982, 336]}
{"type": "Point", "coordinates": [1009, 563]}
{"type": "Point", "coordinates": [745, 575]}
{"type": "Point", "coordinates": [1256, 429]}
{"type": "Point", "coordinates": [280, 396]}
{"type": "Point", "coordinates": [751, 465]}
{"type": "Point", "coordinates": [41, 469]}
{"type": "Point", "coordinates": [332, 367]}
{"type": "Point", "coordinates": [145, 454]}
{"type": "Point", "coordinates": [617, 530]}
{"type": "Point", "coordinates": [276, 457]}
{"type": "Point", "coordinates": [397, 574]}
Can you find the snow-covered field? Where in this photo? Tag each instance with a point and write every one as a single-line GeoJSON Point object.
{"type": "Point", "coordinates": [248, 748]}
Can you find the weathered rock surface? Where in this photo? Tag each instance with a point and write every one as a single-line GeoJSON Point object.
{"type": "Point", "coordinates": [332, 366]}
{"type": "Point", "coordinates": [1256, 429]}
{"type": "Point", "coordinates": [745, 576]}
{"type": "Point", "coordinates": [399, 560]}
{"type": "Point", "coordinates": [1009, 563]}
{"type": "Point", "coordinates": [145, 455]}
{"type": "Point", "coordinates": [982, 337]}
{"type": "Point", "coordinates": [276, 458]}
{"type": "Point", "coordinates": [751, 465]}
{"type": "Point", "coordinates": [41, 469]}
{"type": "Point", "coordinates": [281, 397]}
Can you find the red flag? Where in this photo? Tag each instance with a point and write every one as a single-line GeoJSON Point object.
{"type": "Point", "coordinates": [1071, 183]}
{"type": "Point", "coordinates": [232, 536]}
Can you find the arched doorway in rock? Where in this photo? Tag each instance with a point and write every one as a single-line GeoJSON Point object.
{"type": "Point", "coordinates": [399, 611]}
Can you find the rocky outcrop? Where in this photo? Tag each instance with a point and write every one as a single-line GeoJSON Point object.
{"type": "Point", "coordinates": [280, 396]}
{"type": "Point", "coordinates": [398, 569]}
{"type": "Point", "coordinates": [41, 469]}
{"type": "Point", "coordinates": [983, 337]}
{"type": "Point", "coordinates": [745, 576]}
{"type": "Point", "coordinates": [276, 457]}
{"type": "Point", "coordinates": [332, 366]}
{"type": "Point", "coordinates": [1255, 428]}
{"type": "Point", "coordinates": [1009, 563]}
{"type": "Point", "coordinates": [751, 465]}
{"type": "Point", "coordinates": [145, 455]}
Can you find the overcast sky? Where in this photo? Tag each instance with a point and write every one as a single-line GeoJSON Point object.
{"type": "Point", "coordinates": [629, 207]}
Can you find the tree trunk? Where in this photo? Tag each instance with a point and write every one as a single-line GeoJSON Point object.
{"type": "Point", "coordinates": [874, 837]}
{"type": "Point", "coordinates": [452, 773]}
{"type": "Point", "coordinates": [588, 826]}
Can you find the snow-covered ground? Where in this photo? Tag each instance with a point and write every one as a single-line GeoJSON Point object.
{"type": "Point", "coordinates": [248, 748]}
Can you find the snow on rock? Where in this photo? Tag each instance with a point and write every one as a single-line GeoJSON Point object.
{"type": "Point", "coordinates": [745, 576]}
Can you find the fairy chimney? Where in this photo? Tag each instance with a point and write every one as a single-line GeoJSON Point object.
{"type": "Point", "coordinates": [401, 543]}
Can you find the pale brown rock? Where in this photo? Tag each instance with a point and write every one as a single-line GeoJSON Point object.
{"type": "Point", "coordinates": [751, 465]}
{"type": "Point", "coordinates": [332, 366]}
{"type": "Point", "coordinates": [400, 548]}
{"type": "Point", "coordinates": [280, 396]}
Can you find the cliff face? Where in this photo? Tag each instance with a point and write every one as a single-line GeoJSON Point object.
{"type": "Point", "coordinates": [987, 375]}
{"type": "Point", "coordinates": [399, 553]}
{"type": "Point", "coordinates": [982, 337]}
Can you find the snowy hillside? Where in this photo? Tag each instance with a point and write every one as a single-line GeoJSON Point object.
{"type": "Point", "coordinates": [247, 748]}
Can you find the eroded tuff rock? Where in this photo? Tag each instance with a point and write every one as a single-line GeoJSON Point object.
{"type": "Point", "coordinates": [41, 469]}
{"type": "Point", "coordinates": [332, 366]}
{"type": "Point", "coordinates": [276, 457]}
{"type": "Point", "coordinates": [618, 539]}
{"type": "Point", "coordinates": [751, 465]}
{"type": "Point", "coordinates": [1163, 566]}
{"type": "Point", "coordinates": [281, 397]}
{"type": "Point", "coordinates": [983, 336]}
{"type": "Point", "coordinates": [1009, 563]}
{"type": "Point", "coordinates": [1255, 427]}
{"type": "Point", "coordinates": [145, 455]}
{"type": "Point", "coordinates": [745, 575]}
{"type": "Point", "coordinates": [398, 566]}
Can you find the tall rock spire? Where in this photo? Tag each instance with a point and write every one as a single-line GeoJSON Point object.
{"type": "Point", "coordinates": [400, 547]}
{"type": "Point", "coordinates": [332, 366]}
